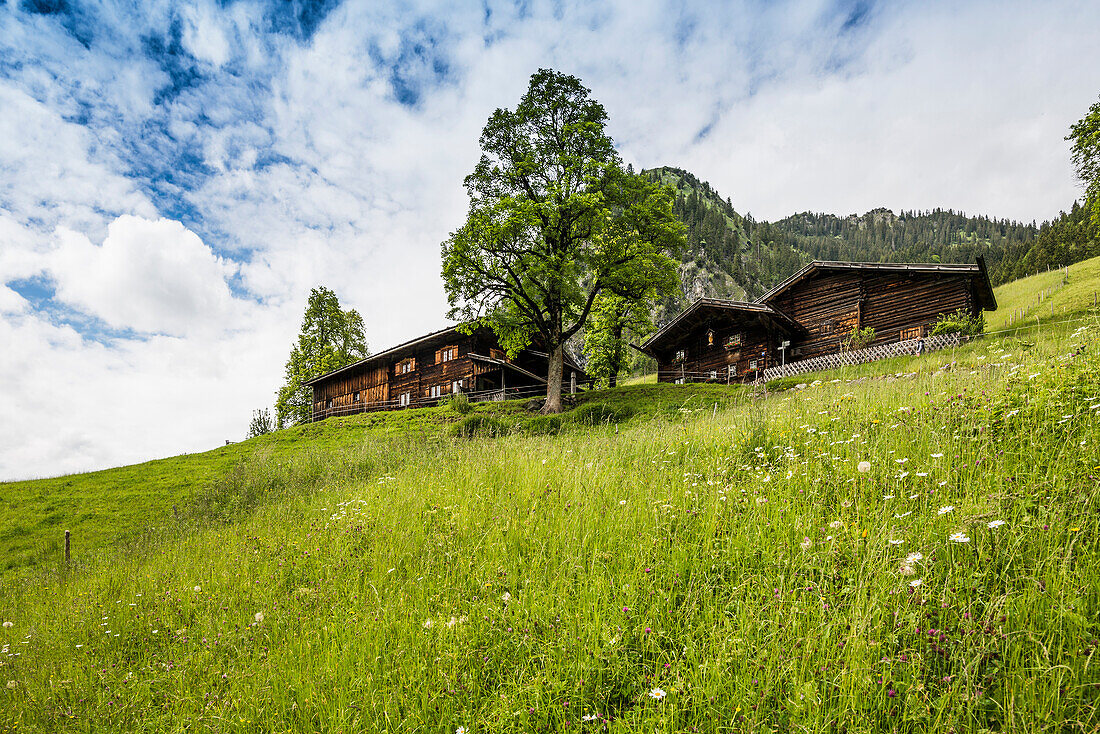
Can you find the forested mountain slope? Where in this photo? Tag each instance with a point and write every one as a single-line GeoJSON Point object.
{"type": "Point", "coordinates": [730, 255]}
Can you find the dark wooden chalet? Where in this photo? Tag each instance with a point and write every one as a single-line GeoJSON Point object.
{"type": "Point", "coordinates": [815, 311]}
{"type": "Point", "coordinates": [719, 340]}
{"type": "Point", "coordinates": [425, 370]}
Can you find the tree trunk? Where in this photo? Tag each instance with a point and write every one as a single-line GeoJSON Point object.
{"type": "Point", "coordinates": [553, 380]}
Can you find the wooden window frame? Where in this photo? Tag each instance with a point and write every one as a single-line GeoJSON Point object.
{"type": "Point", "coordinates": [405, 366]}
{"type": "Point", "coordinates": [734, 340]}
{"type": "Point", "coordinates": [446, 354]}
{"type": "Point", "coordinates": [680, 355]}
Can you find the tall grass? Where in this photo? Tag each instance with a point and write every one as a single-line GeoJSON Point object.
{"type": "Point", "coordinates": [736, 561]}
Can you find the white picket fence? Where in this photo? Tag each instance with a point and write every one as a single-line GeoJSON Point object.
{"type": "Point", "coordinates": [859, 356]}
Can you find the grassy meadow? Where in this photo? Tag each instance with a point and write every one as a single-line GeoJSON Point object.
{"type": "Point", "coordinates": [910, 546]}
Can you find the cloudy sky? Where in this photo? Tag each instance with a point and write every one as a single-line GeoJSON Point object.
{"type": "Point", "coordinates": [176, 175]}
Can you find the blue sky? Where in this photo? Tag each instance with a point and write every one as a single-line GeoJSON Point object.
{"type": "Point", "coordinates": [175, 176]}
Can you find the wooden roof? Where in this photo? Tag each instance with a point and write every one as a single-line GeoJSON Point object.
{"type": "Point", "coordinates": [696, 313]}
{"type": "Point", "coordinates": [983, 289]}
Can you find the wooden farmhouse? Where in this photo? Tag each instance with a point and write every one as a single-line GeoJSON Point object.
{"type": "Point", "coordinates": [423, 371]}
{"type": "Point", "coordinates": [811, 314]}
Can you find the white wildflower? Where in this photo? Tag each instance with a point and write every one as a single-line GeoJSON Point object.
{"type": "Point", "coordinates": [198, 589]}
{"type": "Point", "coordinates": [836, 524]}
{"type": "Point", "coordinates": [864, 467]}
{"type": "Point", "coordinates": [506, 597]}
{"type": "Point", "coordinates": [959, 537]}
{"type": "Point", "coordinates": [996, 523]}
{"type": "Point", "coordinates": [657, 693]}
{"type": "Point", "coordinates": [806, 543]}
{"type": "Point", "coordinates": [896, 542]}
{"type": "Point", "coordinates": [915, 583]}
{"type": "Point", "coordinates": [914, 557]}
{"type": "Point", "coordinates": [8, 624]}
{"type": "Point", "coordinates": [259, 617]}
{"type": "Point", "coordinates": [945, 509]}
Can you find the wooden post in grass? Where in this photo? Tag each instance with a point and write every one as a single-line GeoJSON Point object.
{"type": "Point", "coordinates": [66, 547]}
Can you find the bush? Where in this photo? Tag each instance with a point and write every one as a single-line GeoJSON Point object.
{"type": "Point", "coordinates": [459, 403]}
{"type": "Point", "coordinates": [544, 425]}
{"type": "Point", "coordinates": [960, 322]}
{"type": "Point", "coordinates": [593, 414]}
{"type": "Point", "coordinates": [480, 424]}
{"type": "Point", "coordinates": [860, 338]}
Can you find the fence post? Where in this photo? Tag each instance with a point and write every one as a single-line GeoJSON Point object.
{"type": "Point", "coordinates": [66, 547]}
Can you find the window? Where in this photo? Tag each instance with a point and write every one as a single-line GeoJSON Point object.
{"type": "Point", "coordinates": [752, 364]}
{"type": "Point", "coordinates": [827, 327]}
{"type": "Point", "coordinates": [714, 374]}
{"type": "Point", "coordinates": [330, 402]}
{"type": "Point", "coordinates": [681, 354]}
{"type": "Point", "coordinates": [733, 340]}
{"type": "Point", "coordinates": [405, 366]}
{"type": "Point", "coordinates": [436, 391]}
{"type": "Point", "coordinates": [679, 380]}
{"type": "Point", "coordinates": [403, 399]}
{"type": "Point", "coordinates": [446, 354]}
{"type": "Point", "coordinates": [355, 398]}
{"type": "Point", "coordinates": [456, 386]}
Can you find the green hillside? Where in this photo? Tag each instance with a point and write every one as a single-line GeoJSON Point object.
{"type": "Point", "coordinates": [668, 558]}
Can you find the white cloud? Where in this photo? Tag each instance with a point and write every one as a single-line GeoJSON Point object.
{"type": "Point", "coordinates": [152, 276]}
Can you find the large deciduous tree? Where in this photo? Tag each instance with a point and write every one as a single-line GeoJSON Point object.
{"type": "Point", "coordinates": [1085, 135]}
{"type": "Point", "coordinates": [329, 339]}
{"type": "Point", "coordinates": [554, 221]}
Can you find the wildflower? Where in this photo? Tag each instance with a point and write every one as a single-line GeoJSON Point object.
{"type": "Point", "coordinates": [906, 570]}
{"type": "Point", "coordinates": [846, 503]}
{"type": "Point", "coordinates": [198, 589]}
{"type": "Point", "coordinates": [657, 693]}
{"type": "Point", "coordinates": [945, 509]}
{"type": "Point", "coordinates": [7, 624]}
{"type": "Point", "coordinates": [891, 693]}
{"type": "Point", "coordinates": [12, 684]}
{"type": "Point", "coordinates": [806, 543]}
{"type": "Point", "coordinates": [648, 630]}
{"type": "Point", "coordinates": [864, 467]}
{"type": "Point", "coordinates": [622, 502]}
{"type": "Point", "coordinates": [937, 456]}
{"type": "Point", "coordinates": [259, 617]}
{"type": "Point", "coordinates": [836, 524]}
{"type": "Point", "coordinates": [915, 583]}
{"type": "Point", "coordinates": [460, 730]}
{"type": "Point", "coordinates": [959, 537]}
{"type": "Point", "coordinates": [428, 624]}
{"type": "Point", "coordinates": [896, 542]}
{"type": "Point", "coordinates": [589, 717]}
{"type": "Point", "coordinates": [887, 496]}
{"type": "Point", "coordinates": [996, 523]}
{"type": "Point", "coordinates": [914, 557]}
{"type": "Point", "coordinates": [901, 461]}
{"type": "Point", "coordinates": [904, 514]}
{"type": "Point", "coordinates": [761, 500]}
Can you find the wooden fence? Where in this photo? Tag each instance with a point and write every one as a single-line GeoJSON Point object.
{"type": "Point", "coordinates": [909, 347]}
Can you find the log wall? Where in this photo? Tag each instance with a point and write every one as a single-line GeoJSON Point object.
{"type": "Point", "coordinates": [702, 358]}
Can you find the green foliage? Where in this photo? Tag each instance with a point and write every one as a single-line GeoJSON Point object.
{"type": "Point", "coordinates": [328, 339]}
{"type": "Point", "coordinates": [261, 423]}
{"type": "Point", "coordinates": [480, 424]}
{"type": "Point", "coordinates": [614, 320]}
{"type": "Point", "coordinates": [860, 338]}
{"type": "Point", "coordinates": [553, 222]}
{"type": "Point", "coordinates": [594, 414]}
{"type": "Point", "coordinates": [1085, 135]}
{"type": "Point", "coordinates": [459, 403]}
{"type": "Point", "coordinates": [959, 322]}
{"type": "Point", "coordinates": [543, 425]}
